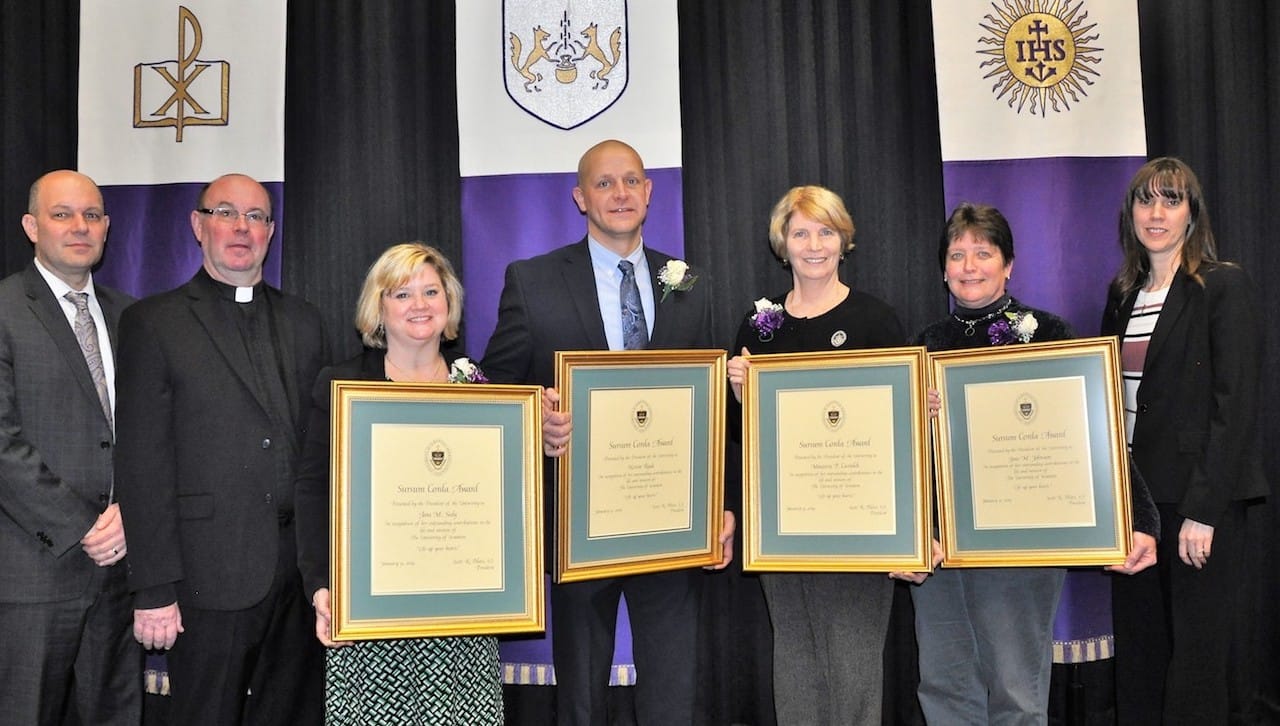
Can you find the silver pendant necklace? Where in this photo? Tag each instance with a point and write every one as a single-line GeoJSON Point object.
{"type": "Point", "coordinates": [970, 324]}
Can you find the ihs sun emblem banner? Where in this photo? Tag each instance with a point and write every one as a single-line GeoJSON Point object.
{"type": "Point", "coordinates": [1040, 114]}
{"type": "Point", "coordinates": [171, 96]}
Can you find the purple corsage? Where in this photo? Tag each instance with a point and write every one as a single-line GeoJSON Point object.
{"type": "Point", "coordinates": [767, 318]}
{"type": "Point", "coordinates": [464, 371]}
{"type": "Point", "coordinates": [1020, 327]}
{"type": "Point", "coordinates": [1000, 333]}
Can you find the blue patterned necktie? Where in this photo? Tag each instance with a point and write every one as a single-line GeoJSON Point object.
{"type": "Point", "coordinates": [87, 335]}
{"type": "Point", "coordinates": [635, 333]}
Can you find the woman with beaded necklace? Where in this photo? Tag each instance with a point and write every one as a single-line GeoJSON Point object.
{"type": "Point", "coordinates": [985, 634]}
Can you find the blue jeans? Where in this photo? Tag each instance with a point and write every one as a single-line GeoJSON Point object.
{"type": "Point", "coordinates": [986, 644]}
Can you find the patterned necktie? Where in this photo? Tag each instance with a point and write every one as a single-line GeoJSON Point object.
{"type": "Point", "coordinates": [87, 335]}
{"type": "Point", "coordinates": [635, 333]}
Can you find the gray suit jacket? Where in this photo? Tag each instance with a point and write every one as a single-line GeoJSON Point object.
{"type": "Point", "coordinates": [55, 443]}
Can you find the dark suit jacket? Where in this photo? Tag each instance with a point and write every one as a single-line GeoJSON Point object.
{"type": "Point", "coordinates": [1196, 437]}
{"type": "Point", "coordinates": [55, 444]}
{"type": "Point", "coordinates": [549, 303]}
{"type": "Point", "coordinates": [200, 487]}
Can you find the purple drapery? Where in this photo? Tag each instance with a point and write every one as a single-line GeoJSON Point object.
{"type": "Point", "coordinates": [1064, 214]}
{"type": "Point", "coordinates": [526, 660]}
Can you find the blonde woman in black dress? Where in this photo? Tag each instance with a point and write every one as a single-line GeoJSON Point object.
{"type": "Point", "coordinates": [410, 303]}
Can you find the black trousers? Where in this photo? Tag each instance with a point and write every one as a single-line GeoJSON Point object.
{"type": "Point", "coordinates": [1181, 655]}
{"type": "Point", "coordinates": [257, 666]}
{"type": "Point", "coordinates": [663, 609]}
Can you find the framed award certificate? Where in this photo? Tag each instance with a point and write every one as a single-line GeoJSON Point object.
{"type": "Point", "coordinates": [835, 462]}
{"type": "Point", "coordinates": [436, 510]}
{"type": "Point", "coordinates": [1032, 466]}
{"type": "Point", "coordinates": [641, 485]}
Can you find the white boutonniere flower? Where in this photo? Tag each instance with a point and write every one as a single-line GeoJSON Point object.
{"type": "Point", "coordinates": [674, 276]}
{"type": "Point", "coordinates": [1025, 327]}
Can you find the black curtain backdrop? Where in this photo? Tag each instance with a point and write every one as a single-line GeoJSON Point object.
{"type": "Point", "coordinates": [775, 93]}
{"type": "Point", "coordinates": [39, 48]}
{"type": "Point", "coordinates": [371, 146]}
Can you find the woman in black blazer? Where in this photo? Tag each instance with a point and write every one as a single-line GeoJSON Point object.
{"type": "Point", "coordinates": [1191, 353]}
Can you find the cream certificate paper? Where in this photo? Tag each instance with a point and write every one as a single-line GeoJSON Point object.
{"type": "Point", "coordinates": [1029, 454]}
{"type": "Point", "coordinates": [835, 461]}
{"type": "Point", "coordinates": [640, 459]}
{"type": "Point", "coordinates": [436, 514]}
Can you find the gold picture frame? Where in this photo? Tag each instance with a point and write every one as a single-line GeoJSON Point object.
{"type": "Point", "coordinates": [835, 461]}
{"type": "Point", "coordinates": [435, 510]}
{"type": "Point", "coordinates": [1032, 463]}
{"type": "Point", "coordinates": [641, 485]}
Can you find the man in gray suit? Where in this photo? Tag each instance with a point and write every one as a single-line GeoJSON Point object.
{"type": "Point", "coordinates": [64, 607]}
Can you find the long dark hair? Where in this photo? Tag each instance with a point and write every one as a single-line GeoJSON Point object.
{"type": "Point", "coordinates": [1170, 178]}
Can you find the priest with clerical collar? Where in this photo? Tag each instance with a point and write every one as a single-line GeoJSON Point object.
{"type": "Point", "coordinates": [214, 389]}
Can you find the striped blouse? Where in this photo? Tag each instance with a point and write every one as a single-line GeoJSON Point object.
{"type": "Point", "coordinates": [1133, 350]}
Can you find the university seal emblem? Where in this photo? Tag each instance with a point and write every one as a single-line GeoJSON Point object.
{"type": "Point", "coordinates": [1027, 408]}
{"type": "Point", "coordinates": [833, 415]}
{"type": "Point", "coordinates": [641, 416]}
{"type": "Point", "coordinates": [437, 456]}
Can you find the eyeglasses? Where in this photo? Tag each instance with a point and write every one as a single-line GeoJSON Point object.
{"type": "Point", "coordinates": [255, 217]}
